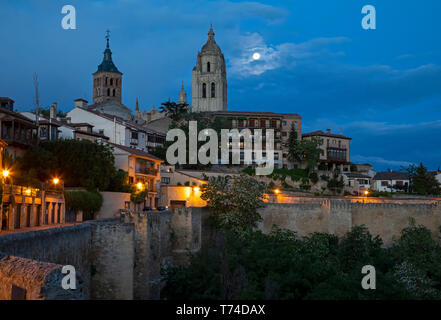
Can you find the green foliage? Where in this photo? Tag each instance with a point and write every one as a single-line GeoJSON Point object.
{"type": "Point", "coordinates": [120, 182]}
{"type": "Point", "coordinates": [422, 182]}
{"type": "Point", "coordinates": [79, 163]}
{"type": "Point", "coordinates": [376, 193]}
{"type": "Point", "coordinates": [283, 266]}
{"type": "Point", "coordinates": [138, 197]}
{"type": "Point", "coordinates": [313, 177]}
{"type": "Point", "coordinates": [307, 151]}
{"type": "Point", "coordinates": [87, 201]}
{"type": "Point", "coordinates": [174, 110]}
{"type": "Point", "coordinates": [249, 171]}
{"type": "Point", "coordinates": [336, 184]}
{"type": "Point", "coordinates": [234, 201]}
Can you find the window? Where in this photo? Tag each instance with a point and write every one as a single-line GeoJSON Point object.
{"type": "Point", "coordinates": [213, 90]}
{"type": "Point", "coordinates": [165, 180]}
{"type": "Point", "coordinates": [208, 67]}
{"type": "Point", "coordinates": [134, 135]}
{"type": "Point", "coordinates": [113, 92]}
{"type": "Point", "coordinates": [108, 92]}
{"type": "Point", "coordinates": [384, 183]}
{"type": "Point", "coordinates": [283, 123]}
{"type": "Point", "coordinates": [284, 134]}
{"type": "Point", "coordinates": [204, 90]}
{"type": "Point", "coordinates": [111, 81]}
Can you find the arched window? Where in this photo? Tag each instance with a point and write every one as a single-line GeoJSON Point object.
{"type": "Point", "coordinates": [113, 92]}
{"type": "Point", "coordinates": [208, 67]}
{"type": "Point", "coordinates": [204, 90]}
{"type": "Point", "coordinates": [213, 90]}
{"type": "Point", "coordinates": [111, 81]}
{"type": "Point", "coordinates": [108, 92]}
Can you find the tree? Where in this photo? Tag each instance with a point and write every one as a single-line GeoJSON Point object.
{"type": "Point", "coordinates": [174, 110]}
{"type": "Point", "coordinates": [79, 163]}
{"type": "Point", "coordinates": [292, 143]}
{"type": "Point", "coordinates": [234, 201]}
{"type": "Point", "coordinates": [423, 182]}
{"type": "Point", "coordinates": [307, 151]}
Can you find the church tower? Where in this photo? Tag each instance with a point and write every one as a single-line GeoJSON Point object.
{"type": "Point", "coordinates": [182, 95]}
{"type": "Point", "coordinates": [107, 80]}
{"type": "Point", "coordinates": [209, 78]}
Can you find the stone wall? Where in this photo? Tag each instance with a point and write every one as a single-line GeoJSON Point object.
{"type": "Point", "coordinates": [386, 219]}
{"type": "Point", "coordinates": [112, 259]}
{"type": "Point", "coordinates": [25, 279]}
{"type": "Point", "coordinates": [101, 251]}
{"type": "Point", "coordinates": [63, 246]}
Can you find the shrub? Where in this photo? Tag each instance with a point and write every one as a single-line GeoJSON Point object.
{"type": "Point", "coordinates": [87, 201]}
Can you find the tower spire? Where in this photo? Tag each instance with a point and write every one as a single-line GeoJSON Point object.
{"type": "Point", "coordinates": [211, 33]}
{"type": "Point", "coordinates": [107, 37]}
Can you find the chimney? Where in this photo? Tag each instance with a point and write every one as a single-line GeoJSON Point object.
{"type": "Point", "coordinates": [328, 131]}
{"type": "Point", "coordinates": [53, 111]}
{"type": "Point", "coordinates": [81, 103]}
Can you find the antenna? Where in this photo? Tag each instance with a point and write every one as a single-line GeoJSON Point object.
{"type": "Point", "coordinates": [37, 101]}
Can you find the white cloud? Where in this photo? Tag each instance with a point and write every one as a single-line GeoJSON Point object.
{"type": "Point", "coordinates": [285, 55]}
{"type": "Point", "coordinates": [380, 161]}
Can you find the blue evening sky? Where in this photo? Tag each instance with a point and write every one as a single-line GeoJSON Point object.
{"type": "Point", "coordinates": [381, 87]}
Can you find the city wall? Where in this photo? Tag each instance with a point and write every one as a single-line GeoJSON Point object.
{"type": "Point", "coordinates": [122, 258]}
{"type": "Point", "coordinates": [385, 219]}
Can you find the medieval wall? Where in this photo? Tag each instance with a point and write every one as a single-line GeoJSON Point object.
{"type": "Point", "coordinates": [25, 279]}
{"type": "Point", "coordinates": [386, 219]}
{"type": "Point", "coordinates": [112, 259]}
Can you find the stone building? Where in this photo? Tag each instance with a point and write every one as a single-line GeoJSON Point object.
{"type": "Point", "coordinates": [336, 149]}
{"type": "Point", "coordinates": [107, 80]}
{"type": "Point", "coordinates": [209, 78]}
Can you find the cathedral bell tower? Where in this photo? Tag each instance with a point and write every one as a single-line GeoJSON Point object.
{"type": "Point", "coordinates": [107, 80]}
{"type": "Point", "coordinates": [209, 78]}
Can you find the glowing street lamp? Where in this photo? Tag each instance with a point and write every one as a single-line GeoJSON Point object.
{"type": "Point", "coordinates": [276, 191]}
{"type": "Point", "coordinates": [56, 181]}
{"type": "Point", "coordinates": [196, 189]}
{"type": "Point", "coordinates": [366, 193]}
{"type": "Point", "coordinates": [5, 173]}
{"type": "Point", "coordinates": [139, 186]}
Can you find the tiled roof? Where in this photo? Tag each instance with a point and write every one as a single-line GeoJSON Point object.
{"type": "Point", "coordinates": [121, 121]}
{"type": "Point", "coordinates": [256, 113]}
{"type": "Point", "coordinates": [325, 134]}
{"type": "Point", "coordinates": [135, 152]}
{"type": "Point", "coordinates": [356, 175]}
{"type": "Point", "coordinates": [391, 176]}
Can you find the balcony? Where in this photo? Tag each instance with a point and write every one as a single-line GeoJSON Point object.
{"type": "Point", "coordinates": [146, 171]}
{"type": "Point", "coordinates": [134, 142]}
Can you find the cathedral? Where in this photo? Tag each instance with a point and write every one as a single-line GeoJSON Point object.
{"type": "Point", "coordinates": [209, 86]}
{"type": "Point", "coordinates": [209, 78]}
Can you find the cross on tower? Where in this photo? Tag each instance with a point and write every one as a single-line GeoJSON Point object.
{"type": "Point", "coordinates": [107, 37]}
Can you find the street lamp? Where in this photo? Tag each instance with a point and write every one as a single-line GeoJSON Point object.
{"type": "Point", "coordinates": [139, 186]}
{"type": "Point", "coordinates": [366, 193]}
{"type": "Point", "coordinates": [56, 181]}
{"type": "Point", "coordinates": [5, 173]}
{"type": "Point", "coordinates": [276, 191]}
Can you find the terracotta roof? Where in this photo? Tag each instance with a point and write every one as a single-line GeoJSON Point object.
{"type": "Point", "coordinates": [325, 134]}
{"type": "Point", "coordinates": [135, 152]}
{"type": "Point", "coordinates": [256, 113]}
{"type": "Point", "coordinates": [356, 175]}
{"type": "Point", "coordinates": [121, 121]}
{"type": "Point", "coordinates": [391, 176]}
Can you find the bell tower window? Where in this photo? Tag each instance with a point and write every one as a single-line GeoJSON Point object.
{"type": "Point", "coordinates": [213, 90]}
{"type": "Point", "coordinates": [204, 90]}
{"type": "Point", "coordinates": [208, 67]}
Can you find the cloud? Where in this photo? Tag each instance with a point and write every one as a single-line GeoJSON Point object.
{"type": "Point", "coordinates": [380, 161]}
{"type": "Point", "coordinates": [285, 55]}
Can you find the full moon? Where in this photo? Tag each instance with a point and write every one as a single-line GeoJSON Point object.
{"type": "Point", "coordinates": [256, 56]}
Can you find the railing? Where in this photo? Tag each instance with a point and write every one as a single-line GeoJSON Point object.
{"type": "Point", "coordinates": [148, 171]}
{"type": "Point", "coordinates": [10, 189]}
